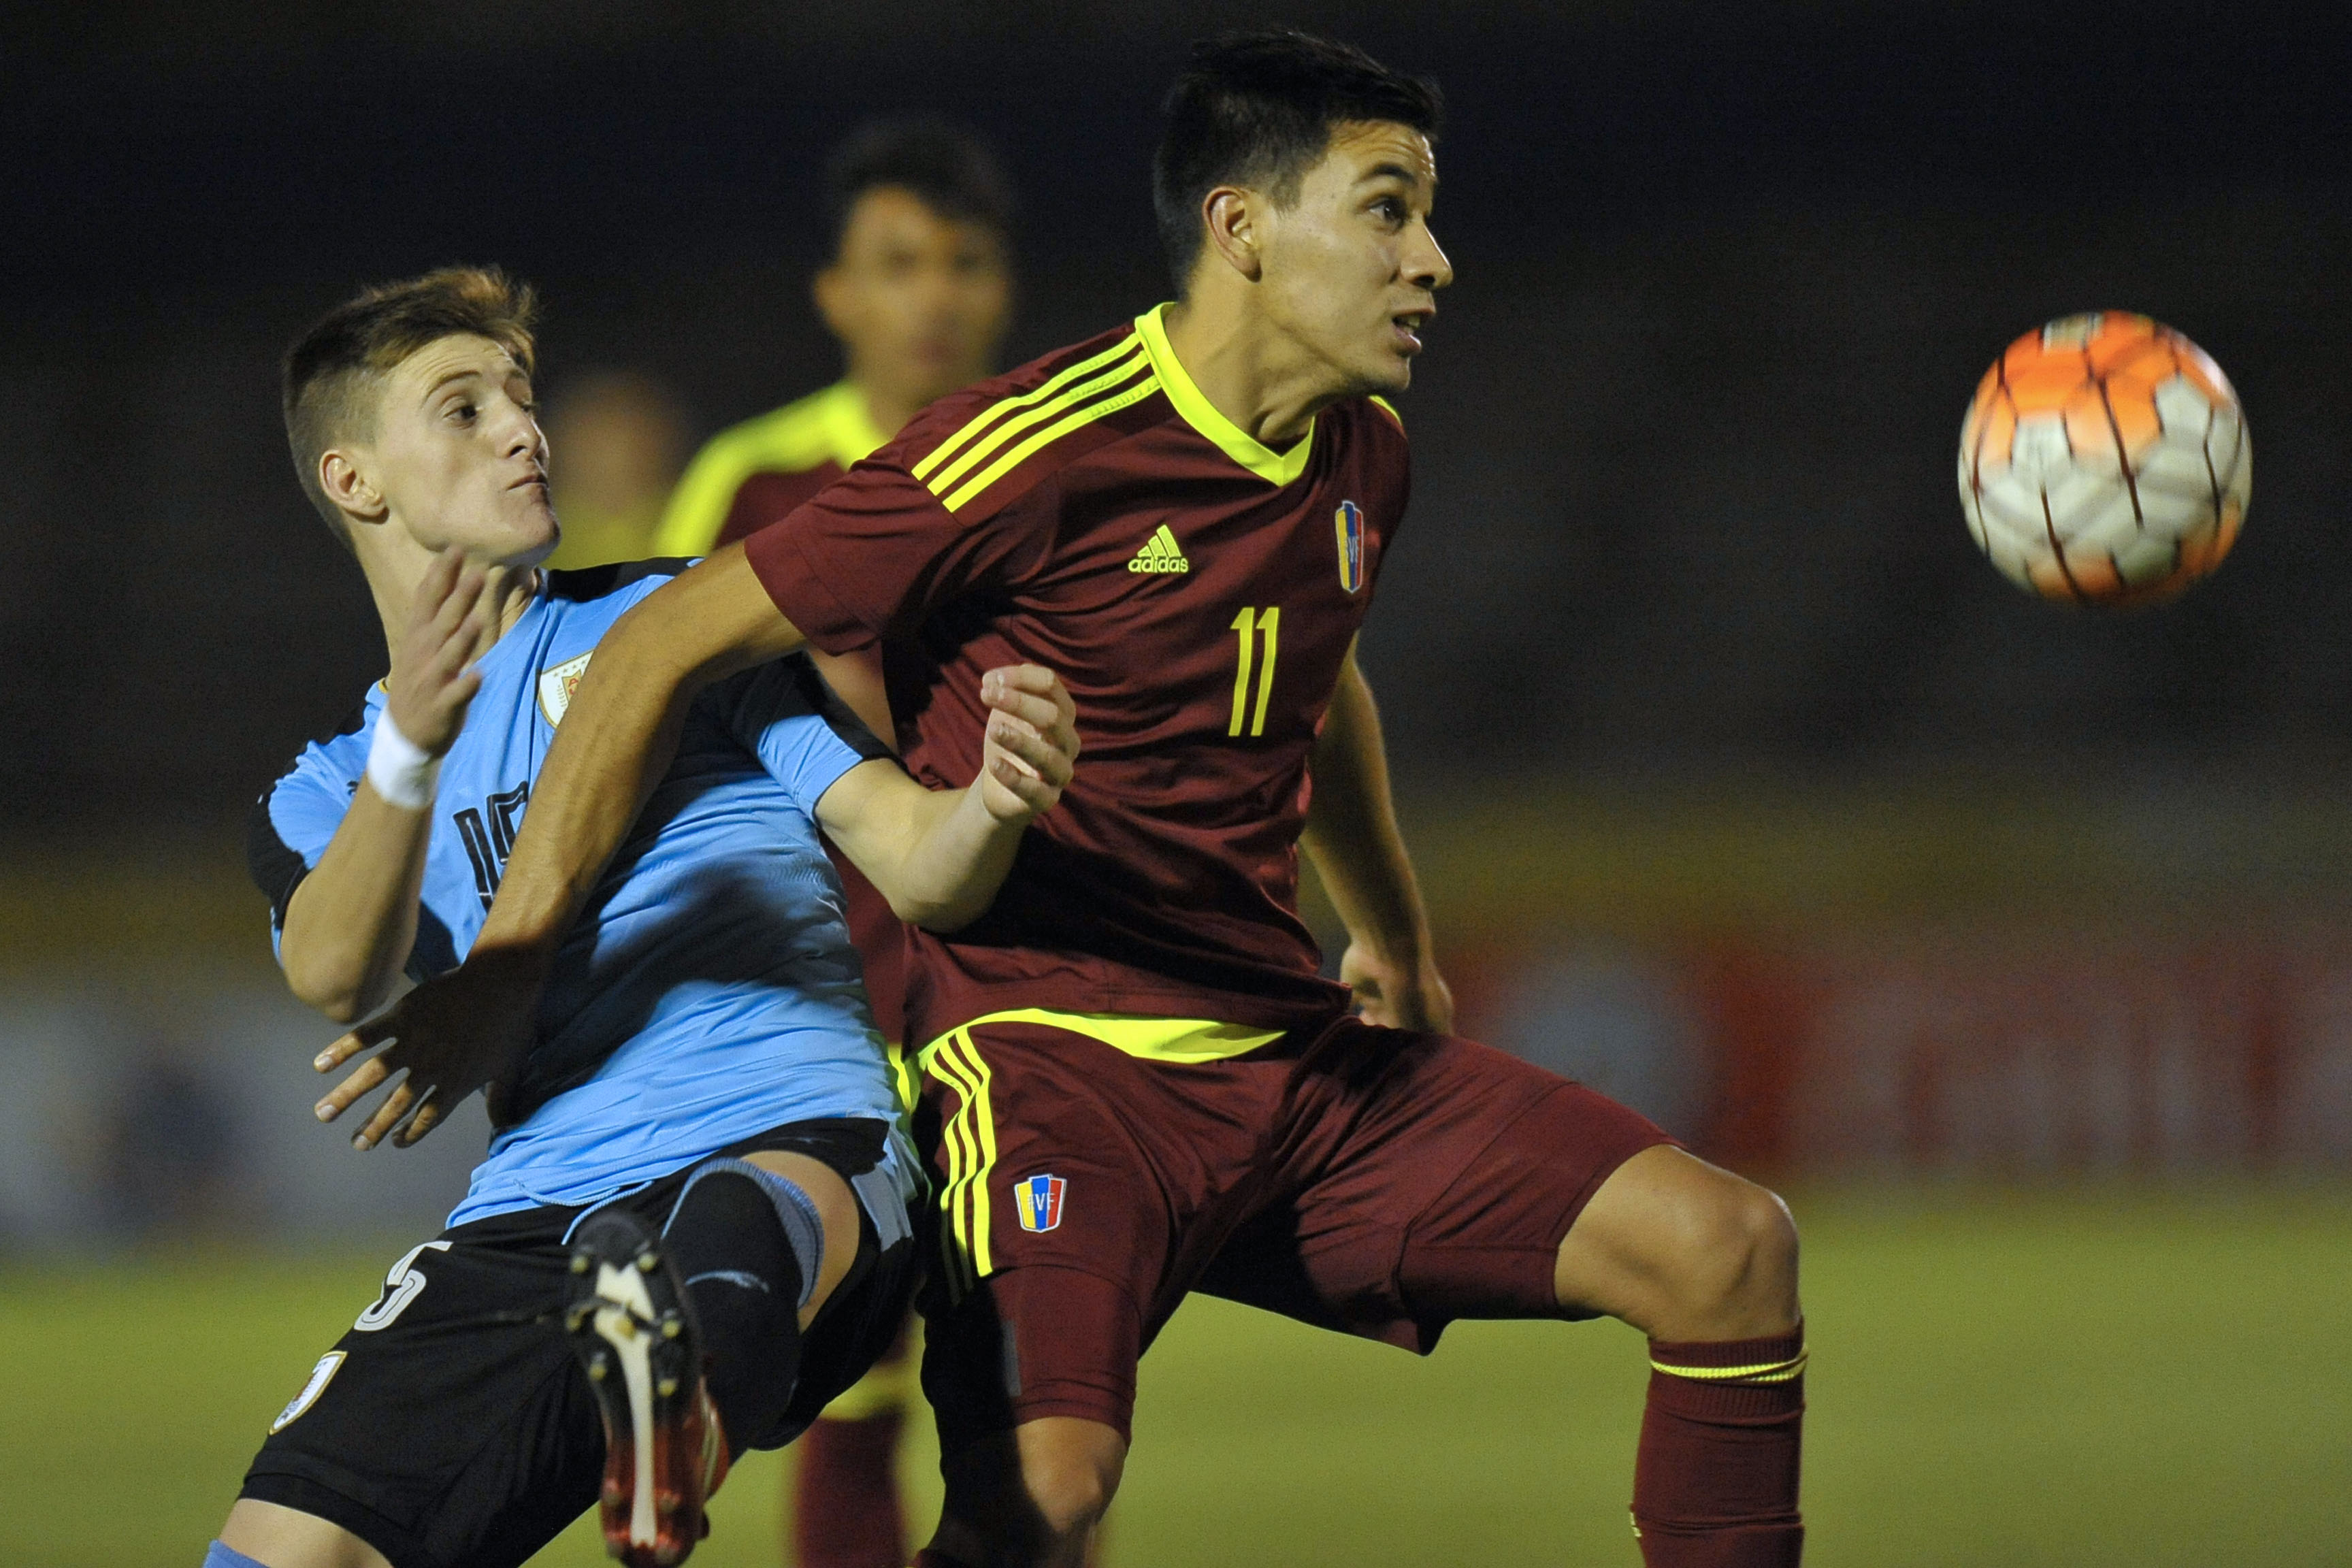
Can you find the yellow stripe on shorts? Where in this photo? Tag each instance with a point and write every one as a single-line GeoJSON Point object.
{"type": "Point", "coordinates": [1180, 1040]}
{"type": "Point", "coordinates": [970, 1140]}
{"type": "Point", "coordinates": [963, 1151]}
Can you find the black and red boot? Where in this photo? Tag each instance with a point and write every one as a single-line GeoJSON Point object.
{"type": "Point", "coordinates": [628, 1318]}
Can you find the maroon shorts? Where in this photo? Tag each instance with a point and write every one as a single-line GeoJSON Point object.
{"type": "Point", "coordinates": [1368, 1180]}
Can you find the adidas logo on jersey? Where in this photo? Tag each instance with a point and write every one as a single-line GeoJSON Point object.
{"type": "Point", "coordinates": [1160, 552]}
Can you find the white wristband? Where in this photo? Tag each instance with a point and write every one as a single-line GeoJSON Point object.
{"type": "Point", "coordinates": [399, 768]}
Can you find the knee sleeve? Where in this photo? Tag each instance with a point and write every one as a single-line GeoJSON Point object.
{"type": "Point", "coordinates": [794, 1210]}
{"type": "Point", "coordinates": [749, 1244]}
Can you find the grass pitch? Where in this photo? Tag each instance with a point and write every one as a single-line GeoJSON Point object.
{"type": "Point", "coordinates": [2098, 1377]}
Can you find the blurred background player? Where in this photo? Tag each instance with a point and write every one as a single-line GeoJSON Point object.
{"type": "Point", "coordinates": [623, 437]}
{"type": "Point", "coordinates": [919, 290]}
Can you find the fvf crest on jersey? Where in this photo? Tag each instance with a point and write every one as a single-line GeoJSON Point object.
{"type": "Point", "coordinates": [1347, 523]}
{"type": "Point", "coordinates": [1038, 1201]}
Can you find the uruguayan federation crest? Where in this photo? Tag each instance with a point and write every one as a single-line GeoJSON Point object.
{"type": "Point", "coordinates": [557, 685]}
{"type": "Point", "coordinates": [1347, 527]}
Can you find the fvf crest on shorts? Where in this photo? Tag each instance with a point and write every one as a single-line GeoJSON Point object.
{"type": "Point", "coordinates": [1037, 1201]}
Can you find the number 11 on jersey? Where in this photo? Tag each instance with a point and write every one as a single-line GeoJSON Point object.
{"type": "Point", "coordinates": [1251, 623]}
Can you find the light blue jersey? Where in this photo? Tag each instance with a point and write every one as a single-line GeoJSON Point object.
{"type": "Point", "coordinates": [708, 990]}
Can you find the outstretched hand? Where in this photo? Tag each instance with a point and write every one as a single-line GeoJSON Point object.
{"type": "Point", "coordinates": [1032, 744]}
{"type": "Point", "coordinates": [452, 622]}
{"type": "Point", "coordinates": [458, 1032]}
{"type": "Point", "coordinates": [1397, 995]}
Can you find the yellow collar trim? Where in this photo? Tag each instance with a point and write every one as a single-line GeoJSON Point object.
{"type": "Point", "coordinates": [1275, 467]}
{"type": "Point", "coordinates": [849, 428]}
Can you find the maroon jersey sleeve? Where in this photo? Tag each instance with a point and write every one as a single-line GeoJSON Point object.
{"type": "Point", "coordinates": [876, 553]}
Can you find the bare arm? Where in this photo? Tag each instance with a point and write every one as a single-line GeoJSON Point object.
{"type": "Point", "coordinates": [1358, 851]}
{"type": "Point", "coordinates": [939, 856]}
{"type": "Point", "coordinates": [350, 924]}
{"type": "Point", "coordinates": [353, 921]}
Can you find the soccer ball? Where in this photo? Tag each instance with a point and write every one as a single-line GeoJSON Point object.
{"type": "Point", "coordinates": [2105, 460]}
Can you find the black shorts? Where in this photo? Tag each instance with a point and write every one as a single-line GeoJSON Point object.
{"type": "Point", "coordinates": [452, 1426]}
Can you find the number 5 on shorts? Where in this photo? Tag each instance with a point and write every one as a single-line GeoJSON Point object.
{"type": "Point", "coordinates": [402, 1285]}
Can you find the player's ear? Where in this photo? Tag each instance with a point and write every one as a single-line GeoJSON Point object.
{"type": "Point", "coordinates": [1231, 215]}
{"type": "Point", "coordinates": [346, 483]}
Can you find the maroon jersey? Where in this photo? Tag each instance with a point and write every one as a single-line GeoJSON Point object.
{"type": "Point", "coordinates": [1197, 593]}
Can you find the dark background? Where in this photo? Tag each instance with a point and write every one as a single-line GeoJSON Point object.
{"type": "Point", "coordinates": [1683, 434]}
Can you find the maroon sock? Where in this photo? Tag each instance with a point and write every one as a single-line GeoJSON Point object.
{"type": "Point", "coordinates": [846, 1511]}
{"type": "Point", "coordinates": [1715, 1484]}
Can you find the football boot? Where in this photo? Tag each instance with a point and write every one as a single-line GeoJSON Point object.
{"type": "Point", "coordinates": [628, 1319]}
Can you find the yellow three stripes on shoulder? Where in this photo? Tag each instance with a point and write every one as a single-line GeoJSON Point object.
{"type": "Point", "coordinates": [991, 442]}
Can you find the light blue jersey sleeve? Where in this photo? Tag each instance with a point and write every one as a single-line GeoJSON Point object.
{"type": "Point", "coordinates": [805, 736]}
{"type": "Point", "coordinates": [297, 818]}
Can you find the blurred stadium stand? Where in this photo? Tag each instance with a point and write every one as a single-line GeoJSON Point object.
{"type": "Point", "coordinates": [2006, 1055]}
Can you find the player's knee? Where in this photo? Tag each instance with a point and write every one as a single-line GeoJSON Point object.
{"type": "Point", "coordinates": [1070, 1483]}
{"type": "Point", "coordinates": [1734, 1256]}
{"type": "Point", "coordinates": [1030, 1498]}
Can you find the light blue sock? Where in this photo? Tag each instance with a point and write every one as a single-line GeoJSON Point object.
{"type": "Point", "coordinates": [220, 1556]}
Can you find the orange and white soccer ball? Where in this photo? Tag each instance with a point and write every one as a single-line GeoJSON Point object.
{"type": "Point", "coordinates": [2105, 460]}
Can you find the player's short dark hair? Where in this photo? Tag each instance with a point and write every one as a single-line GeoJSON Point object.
{"type": "Point", "coordinates": [1257, 109]}
{"type": "Point", "coordinates": [331, 371]}
{"type": "Point", "coordinates": [949, 169]}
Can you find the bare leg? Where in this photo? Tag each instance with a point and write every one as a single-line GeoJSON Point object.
{"type": "Point", "coordinates": [288, 1538]}
{"type": "Point", "coordinates": [1032, 1497]}
{"type": "Point", "coordinates": [1682, 1250]}
{"type": "Point", "coordinates": [1705, 1264]}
